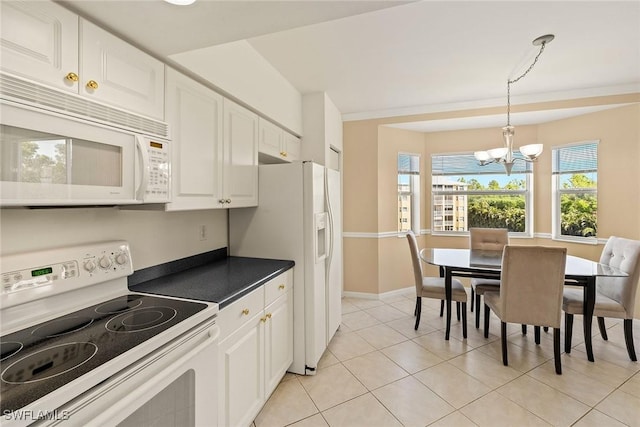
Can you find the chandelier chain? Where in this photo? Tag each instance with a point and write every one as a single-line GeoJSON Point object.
{"type": "Point", "coordinates": [509, 82]}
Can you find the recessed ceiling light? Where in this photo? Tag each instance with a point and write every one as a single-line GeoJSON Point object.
{"type": "Point", "coordinates": [181, 2]}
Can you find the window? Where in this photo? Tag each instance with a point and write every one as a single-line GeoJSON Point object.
{"type": "Point", "coordinates": [465, 194]}
{"type": "Point", "coordinates": [408, 193]}
{"type": "Point", "coordinates": [575, 192]}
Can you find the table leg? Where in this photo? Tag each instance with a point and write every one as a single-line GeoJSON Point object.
{"type": "Point", "coordinates": [589, 304]}
{"type": "Point", "coordinates": [447, 293]}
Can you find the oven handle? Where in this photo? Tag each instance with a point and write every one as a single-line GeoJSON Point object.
{"type": "Point", "coordinates": [213, 334]}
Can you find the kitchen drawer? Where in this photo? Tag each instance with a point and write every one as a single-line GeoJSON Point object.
{"type": "Point", "coordinates": [236, 314]}
{"type": "Point", "coordinates": [277, 286]}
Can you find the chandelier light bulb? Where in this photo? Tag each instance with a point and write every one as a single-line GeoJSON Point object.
{"type": "Point", "coordinates": [531, 151]}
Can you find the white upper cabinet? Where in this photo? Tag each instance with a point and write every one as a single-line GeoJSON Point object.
{"type": "Point", "coordinates": [240, 154]}
{"type": "Point", "coordinates": [44, 42]}
{"type": "Point", "coordinates": [195, 115]}
{"type": "Point", "coordinates": [40, 42]}
{"type": "Point", "coordinates": [276, 145]}
{"type": "Point", "coordinates": [117, 73]}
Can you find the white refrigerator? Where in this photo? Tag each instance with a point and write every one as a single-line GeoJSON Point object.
{"type": "Point", "coordinates": [299, 218]}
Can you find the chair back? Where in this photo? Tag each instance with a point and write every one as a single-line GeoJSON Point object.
{"type": "Point", "coordinates": [531, 285]}
{"type": "Point", "coordinates": [488, 239]}
{"type": "Point", "coordinates": [623, 254]}
{"type": "Point", "coordinates": [415, 258]}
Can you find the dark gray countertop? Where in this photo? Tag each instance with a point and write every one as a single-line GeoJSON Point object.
{"type": "Point", "coordinates": [217, 280]}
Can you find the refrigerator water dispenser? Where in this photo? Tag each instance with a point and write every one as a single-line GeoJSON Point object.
{"type": "Point", "coordinates": [321, 235]}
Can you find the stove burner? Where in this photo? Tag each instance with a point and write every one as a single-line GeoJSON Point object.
{"type": "Point", "coordinates": [141, 319]}
{"type": "Point", "coordinates": [9, 348]}
{"type": "Point", "coordinates": [50, 362]}
{"type": "Point", "coordinates": [62, 326]}
{"type": "Point", "coordinates": [120, 304]}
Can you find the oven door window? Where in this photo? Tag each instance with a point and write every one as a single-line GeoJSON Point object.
{"type": "Point", "coordinates": [173, 406]}
{"type": "Point", "coordinates": [36, 157]}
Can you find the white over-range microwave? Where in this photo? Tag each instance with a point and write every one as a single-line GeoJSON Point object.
{"type": "Point", "coordinates": [49, 158]}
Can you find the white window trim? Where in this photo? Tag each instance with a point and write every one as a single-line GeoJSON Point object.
{"type": "Point", "coordinates": [556, 232]}
{"type": "Point", "coordinates": [415, 194]}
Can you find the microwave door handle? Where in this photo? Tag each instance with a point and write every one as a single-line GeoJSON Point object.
{"type": "Point", "coordinates": [143, 165]}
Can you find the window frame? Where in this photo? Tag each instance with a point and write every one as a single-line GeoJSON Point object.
{"type": "Point", "coordinates": [414, 193]}
{"type": "Point", "coordinates": [557, 192]}
{"type": "Point", "coordinates": [527, 192]}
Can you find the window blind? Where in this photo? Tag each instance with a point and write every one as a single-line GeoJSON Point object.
{"type": "Point", "coordinates": [466, 164]}
{"type": "Point", "coordinates": [408, 164]}
{"type": "Point", "coordinates": [579, 158]}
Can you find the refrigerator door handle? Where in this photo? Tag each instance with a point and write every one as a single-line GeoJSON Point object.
{"type": "Point", "coordinates": [330, 215]}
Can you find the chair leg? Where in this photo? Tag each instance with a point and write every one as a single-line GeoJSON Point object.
{"type": "Point", "coordinates": [628, 338]}
{"type": "Point", "coordinates": [441, 307]}
{"type": "Point", "coordinates": [556, 350]}
{"type": "Point", "coordinates": [472, 299]}
{"type": "Point", "coordinates": [477, 304]}
{"type": "Point", "coordinates": [458, 310]}
{"type": "Point", "coordinates": [568, 330]}
{"type": "Point", "coordinates": [486, 321]}
{"type": "Point", "coordinates": [603, 329]}
{"type": "Point", "coordinates": [464, 320]}
{"type": "Point", "coordinates": [418, 311]}
{"type": "Point", "coordinates": [524, 329]}
{"type": "Point", "coordinates": [536, 334]}
{"type": "Point", "coordinates": [503, 339]}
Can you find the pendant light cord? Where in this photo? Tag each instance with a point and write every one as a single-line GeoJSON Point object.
{"type": "Point", "coordinates": [509, 82]}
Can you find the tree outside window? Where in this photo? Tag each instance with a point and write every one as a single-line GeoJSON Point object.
{"type": "Point", "coordinates": [575, 185]}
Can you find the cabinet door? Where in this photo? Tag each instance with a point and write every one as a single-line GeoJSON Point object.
{"type": "Point", "coordinates": [278, 341]}
{"type": "Point", "coordinates": [291, 147]}
{"type": "Point", "coordinates": [241, 366]}
{"type": "Point", "coordinates": [194, 113]}
{"type": "Point", "coordinates": [39, 41]}
{"type": "Point", "coordinates": [124, 76]}
{"type": "Point", "coordinates": [240, 179]}
{"type": "Point", "coordinates": [270, 139]}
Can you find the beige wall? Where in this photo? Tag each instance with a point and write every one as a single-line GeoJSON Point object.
{"type": "Point", "coordinates": [370, 193]}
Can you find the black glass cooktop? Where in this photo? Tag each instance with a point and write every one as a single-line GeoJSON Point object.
{"type": "Point", "coordinates": [38, 360]}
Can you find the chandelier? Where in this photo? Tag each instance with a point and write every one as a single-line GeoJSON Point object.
{"type": "Point", "coordinates": [505, 154]}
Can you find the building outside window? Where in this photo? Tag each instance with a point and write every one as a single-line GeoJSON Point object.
{"type": "Point", "coordinates": [575, 191]}
{"type": "Point", "coordinates": [465, 195]}
{"type": "Point", "coordinates": [408, 193]}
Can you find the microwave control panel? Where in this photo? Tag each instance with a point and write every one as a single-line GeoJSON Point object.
{"type": "Point", "coordinates": [159, 178]}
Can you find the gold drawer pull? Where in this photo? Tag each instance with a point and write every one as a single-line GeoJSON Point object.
{"type": "Point", "coordinates": [281, 287]}
{"type": "Point", "coordinates": [263, 319]}
{"type": "Point", "coordinates": [72, 77]}
{"type": "Point", "coordinates": [245, 311]}
{"type": "Point", "coordinates": [268, 315]}
{"type": "Point", "coordinates": [92, 84]}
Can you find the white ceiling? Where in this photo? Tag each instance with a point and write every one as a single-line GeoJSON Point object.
{"type": "Point", "coordinates": [387, 58]}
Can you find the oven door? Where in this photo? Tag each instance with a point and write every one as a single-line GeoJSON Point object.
{"type": "Point", "coordinates": [174, 386]}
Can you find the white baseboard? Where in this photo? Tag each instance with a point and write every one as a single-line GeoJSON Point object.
{"type": "Point", "coordinates": [366, 295]}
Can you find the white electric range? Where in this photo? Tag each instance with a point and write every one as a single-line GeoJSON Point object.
{"type": "Point", "coordinates": [77, 347]}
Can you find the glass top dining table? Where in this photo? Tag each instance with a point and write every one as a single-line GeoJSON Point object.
{"type": "Point", "coordinates": [487, 264]}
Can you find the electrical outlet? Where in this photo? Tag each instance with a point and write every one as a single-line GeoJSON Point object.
{"type": "Point", "coordinates": [202, 232]}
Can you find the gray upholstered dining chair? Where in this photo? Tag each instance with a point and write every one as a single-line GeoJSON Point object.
{"type": "Point", "coordinates": [433, 287]}
{"type": "Point", "coordinates": [615, 296]}
{"type": "Point", "coordinates": [491, 239]}
{"type": "Point", "coordinates": [531, 284]}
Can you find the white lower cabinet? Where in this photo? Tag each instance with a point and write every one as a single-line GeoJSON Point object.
{"type": "Point", "coordinates": [255, 350]}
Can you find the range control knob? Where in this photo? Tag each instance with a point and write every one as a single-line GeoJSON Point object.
{"type": "Point", "coordinates": [89, 265]}
{"type": "Point", "coordinates": [105, 262]}
{"type": "Point", "coordinates": [121, 259]}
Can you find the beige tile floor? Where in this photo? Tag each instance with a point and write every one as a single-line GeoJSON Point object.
{"type": "Point", "coordinates": [378, 371]}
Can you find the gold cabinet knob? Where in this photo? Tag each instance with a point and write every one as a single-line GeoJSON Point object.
{"type": "Point", "coordinates": [92, 84]}
{"type": "Point", "coordinates": [268, 315]}
{"type": "Point", "coordinates": [263, 319]}
{"type": "Point", "coordinates": [72, 77]}
{"type": "Point", "coordinates": [281, 287]}
{"type": "Point", "coordinates": [245, 311]}
{"type": "Point", "coordinates": [228, 201]}
{"type": "Point", "coordinates": [222, 201]}
{"type": "Point", "coordinates": [283, 153]}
